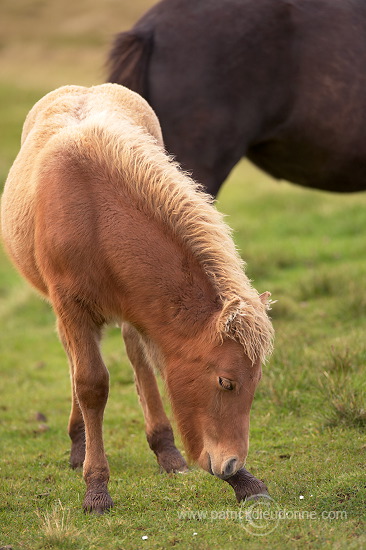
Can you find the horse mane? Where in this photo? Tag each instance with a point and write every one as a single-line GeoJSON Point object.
{"type": "Point", "coordinates": [163, 191]}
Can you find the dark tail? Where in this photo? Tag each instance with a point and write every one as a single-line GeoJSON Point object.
{"type": "Point", "coordinates": [129, 59]}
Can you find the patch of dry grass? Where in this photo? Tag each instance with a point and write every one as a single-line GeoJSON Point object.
{"type": "Point", "coordinates": [46, 43]}
{"type": "Point", "coordinates": [57, 527]}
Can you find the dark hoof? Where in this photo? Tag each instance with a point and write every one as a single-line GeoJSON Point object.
{"type": "Point", "coordinates": [161, 441]}
{"type": "Point", "coordinates": [97, 501]}
{"type": "Point", "coordinates": [246, 485]}
{"type": "Point", "coordinates": [172, 461]}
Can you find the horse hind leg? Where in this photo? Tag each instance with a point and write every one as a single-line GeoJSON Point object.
{"type": "Point", "coordinates": [76, 427]}
{"type": "Point", "coordinates": [81, 336]}
{"type": "Point", "coordinates": [159, 433]}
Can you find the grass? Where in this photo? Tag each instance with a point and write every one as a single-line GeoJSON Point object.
{"type": "Point", "coordinates": [308, 417]}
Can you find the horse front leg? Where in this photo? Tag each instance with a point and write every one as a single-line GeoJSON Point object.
{"type": "Point", "coordinates": [159, 432]}
{"type": "Point", "coordinates": [90, 390]}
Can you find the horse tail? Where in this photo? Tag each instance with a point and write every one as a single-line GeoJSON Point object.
{"type": "Point", "coordinates": [129, 60]}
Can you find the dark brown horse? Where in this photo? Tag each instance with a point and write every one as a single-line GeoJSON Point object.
{"type": "Point", "coordinates": [96, 216]}
{"type": "Point", "coordinates": [282, 82]}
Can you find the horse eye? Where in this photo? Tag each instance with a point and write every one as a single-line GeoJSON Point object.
{"type": "Point", "coordinates": [226, 384]}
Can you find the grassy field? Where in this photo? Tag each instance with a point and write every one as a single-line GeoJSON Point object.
{"type": "Point", "coordinates": [308, 419]}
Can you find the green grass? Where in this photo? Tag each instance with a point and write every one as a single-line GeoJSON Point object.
{"type": "Point", "coordinates": [308, 417]}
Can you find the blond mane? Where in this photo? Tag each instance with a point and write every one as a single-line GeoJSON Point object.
{"type": "Point", "coordinates": [163, 191]}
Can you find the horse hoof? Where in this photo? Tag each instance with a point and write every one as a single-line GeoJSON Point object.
{"type": "Point", "coordinates": [97, 502]}
{"type": "Point", "coordinates": [246, 485]}
{"type": "Point", "coordinates": [171, 461]}
{"type": "Point", "coordinates": [183, 470]}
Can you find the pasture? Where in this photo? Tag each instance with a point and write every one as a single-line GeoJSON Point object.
{"type": "Point", "coordinates": [308, 420]}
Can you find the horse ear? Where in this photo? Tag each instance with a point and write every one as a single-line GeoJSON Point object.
{"type": "Point", "coordinates": [228, 313]}
{"type": "Point", "coordinates": [264, 298]}
{"type": "Point", "coordinates": [235, 308]}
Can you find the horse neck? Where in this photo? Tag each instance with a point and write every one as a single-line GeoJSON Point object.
{"type": "Point", "coordinates": [170, 297]}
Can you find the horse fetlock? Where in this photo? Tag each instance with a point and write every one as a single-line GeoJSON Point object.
{"type": "Point", "coordinates": [95, 475]}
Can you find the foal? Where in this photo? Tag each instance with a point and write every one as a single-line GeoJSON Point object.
{"type": "Point", "coordinates": [108, 228]}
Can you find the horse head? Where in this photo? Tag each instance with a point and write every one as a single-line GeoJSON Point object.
{"type": "Point", "coordinates": [212, 383]}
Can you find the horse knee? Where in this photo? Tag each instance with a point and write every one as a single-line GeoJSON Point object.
{"type": "Point", "coordinates": [92, 391]}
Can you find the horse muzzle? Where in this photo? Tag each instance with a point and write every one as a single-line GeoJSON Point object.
{"type": "Point", "coordinates": [222, 468]}
{"type": "Point", "coordinates": [227, 468]}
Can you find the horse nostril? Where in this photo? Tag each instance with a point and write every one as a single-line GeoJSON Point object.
{"type": "Point", "coordinates": [229, 467]}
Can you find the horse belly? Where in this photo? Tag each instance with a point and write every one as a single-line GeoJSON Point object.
{"type": "Point", "coordinates": [311, 166]}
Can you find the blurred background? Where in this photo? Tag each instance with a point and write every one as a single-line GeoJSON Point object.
{"type": "Point", "coordinates": [47, 43]}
